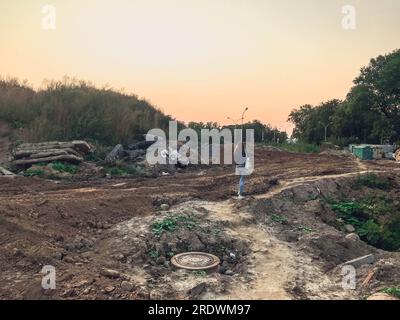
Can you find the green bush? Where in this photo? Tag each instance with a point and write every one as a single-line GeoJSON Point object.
{"type": "Point", "coordinates": [376, 221]}
{"type": "Point", "coordinates": [370, 231]}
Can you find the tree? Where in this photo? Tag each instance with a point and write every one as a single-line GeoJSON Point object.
{"type": "Point", "coordinates": [382, 79]}
{"type": "Point", "coordinates": [370, 113]}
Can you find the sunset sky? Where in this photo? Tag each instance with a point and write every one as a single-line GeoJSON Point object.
{"type": "Point", "coordinates": [201, 60]}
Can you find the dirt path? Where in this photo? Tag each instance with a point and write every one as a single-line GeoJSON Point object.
{"type": "Point", "coordinates": [274, 264]}
{"type": "Point", "coordinates": [291, 183]}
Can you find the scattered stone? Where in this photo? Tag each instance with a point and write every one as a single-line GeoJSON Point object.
{"type": "Point", "coordinates": [229, 273]}
{"type": "Point", "coordinates": [368, 259]}
{"type": "Point", "coordinates": [120, 257]}
{"type": "Point", "coordinates": [109, 289]}
{"type": "Point", "coordinates": [81, 283]}
{"type": "Point", "coordinates": [127, 286]}
{"type": "Point", "coordinates": [164, 207]}
{"type": "Point", "coordinates": [349, 228]}
{"type": "Point", "coordinates": [69, 259]}
{"type": "Point", "coordinates": [17, 252]}
{"type": "Point", "coordinates": [109, 273]}
{"type": "Point", "coordinates": [289, 236]}
{"type": "Point", "coordinates": [381, 296]}
{"type": "Point", "coordinates": [196, 291]}
{"type": "Point", "coordinates": [353, 237]}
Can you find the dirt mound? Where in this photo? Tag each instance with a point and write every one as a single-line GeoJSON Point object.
{"type": "Point", "coordinates": [150, 243]}
{"type": "Point", "coordinates": [108, 239]}
{"type": "Point", "coordinates": [333, 249]}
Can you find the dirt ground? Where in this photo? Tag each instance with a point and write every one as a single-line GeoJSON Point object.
{"type": "Point", "coordinates": [98, 234]}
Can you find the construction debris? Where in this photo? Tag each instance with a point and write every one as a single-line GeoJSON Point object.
{"type": "Point", "coordinates": [136, 154]}
{"type": "Point", "coordinates": [28, 154]}
{"type": "Point", "coordinates": [5, 172]}
{"type": "Point", "coordinates": [368, 259]}
{"type": "Point", "coordinates": [397, 155]}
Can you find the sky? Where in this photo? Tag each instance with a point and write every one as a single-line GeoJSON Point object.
{"type": "Point", "coordinates": [201, 60]}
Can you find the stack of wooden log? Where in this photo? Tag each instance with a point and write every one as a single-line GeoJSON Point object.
{"type": "Point", "coordinates": [5, 172]}
{"type": "Point", "coordinates": [28, 154]}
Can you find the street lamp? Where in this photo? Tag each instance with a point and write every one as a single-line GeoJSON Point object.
{"type": "Point", "coordinates": [241, 119]}
{"type": "Point", "coordinates": [244, 111]}
{"type": "Point", "coordinates": [326, 128]}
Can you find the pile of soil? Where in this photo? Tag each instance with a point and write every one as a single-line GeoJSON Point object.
{"type": "Point", "coordinates": [150, 244]}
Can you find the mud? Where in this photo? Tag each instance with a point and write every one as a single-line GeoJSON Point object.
{"type": "Point", "coordinates": [99, 233]}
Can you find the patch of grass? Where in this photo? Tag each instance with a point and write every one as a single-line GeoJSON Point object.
{"type": "Point", "coordinates": [371, 180]}
{"type": "Point", "coordinates": [279, 219]}
{"type": "Point", "coordinates": [153, 254]}
{"type": "Point", "coordinates": [187, 221]}
{"type": "Point", "coordinates": [304, 229]}
{"type": "Point", "coordinates": [170, 254]}
{"type": "Point", "coordinates": [124, 170]}
{"type": "Point", "coordinates": [34, 173]}
{"type": "Point", "coordinates": [65, 167]}
{"type": "Point", "coordinates": [168, 224]}
{"type": "Point", "coordinates": [393, 291]}
{"type": "Point", "coordinates": [300, 147]}
{"type": "Point", "coordinates": [171, 223]}
{"type": "Point", "coordinates": [199, 273]}
{"type": "Point", "coordinates": [216, 231]}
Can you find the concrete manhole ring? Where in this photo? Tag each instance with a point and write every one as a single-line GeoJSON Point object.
{"type": "Point", "coordinates": [195, 261]}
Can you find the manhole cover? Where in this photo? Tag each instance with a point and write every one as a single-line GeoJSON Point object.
{"type": "Point", "coordinates": [195, 261]}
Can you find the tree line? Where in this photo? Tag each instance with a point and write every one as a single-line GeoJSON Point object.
{"type": "Point", "coordinates": [71, 110]}
{"type": "Point", "coordinates": [369, 114]}
{"type": "Point", "coordinates": [262, 132]}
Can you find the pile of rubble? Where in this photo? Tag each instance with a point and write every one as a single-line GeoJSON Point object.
{"type": "Point", "coordinates": [136, 154]}
{"type": "Point", "coordinates": [28, 154]}
{"type": "Point", "coordinates": [133, 153]}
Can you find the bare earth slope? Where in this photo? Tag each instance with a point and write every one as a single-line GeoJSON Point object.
{"type": "Point", "coordinates": [83, 228]}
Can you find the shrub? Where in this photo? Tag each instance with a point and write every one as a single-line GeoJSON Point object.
{"type": "Point", "coordinates": [376, 220]}
{"type": "Point", "coordinates": [371, 180]}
